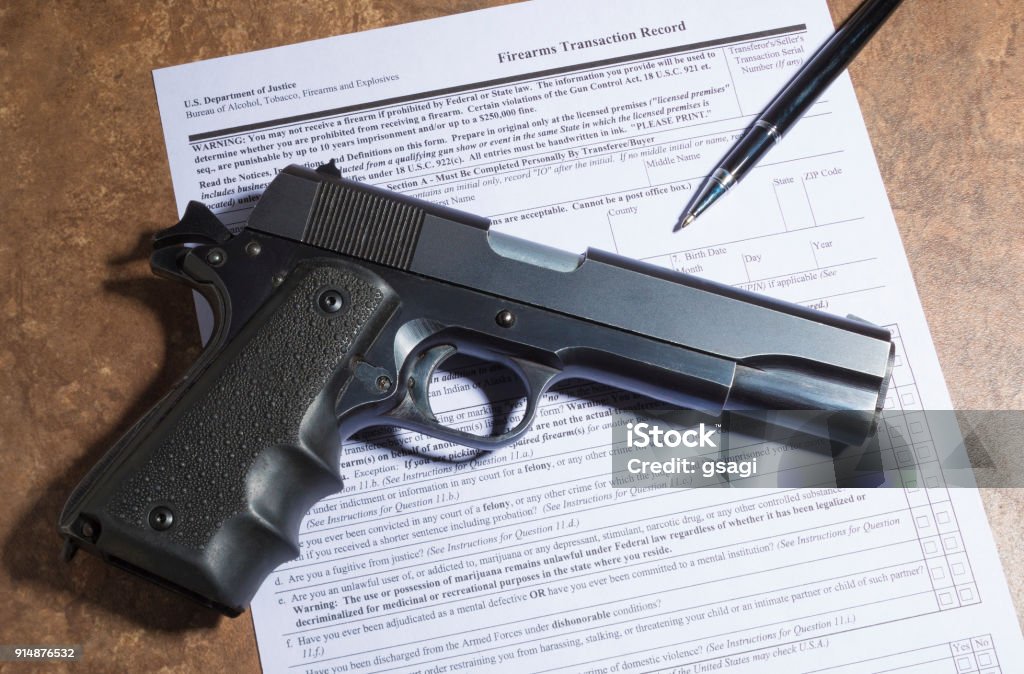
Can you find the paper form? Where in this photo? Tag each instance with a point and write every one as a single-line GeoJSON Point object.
{"type": "Point", "coordinates": [579, 123]}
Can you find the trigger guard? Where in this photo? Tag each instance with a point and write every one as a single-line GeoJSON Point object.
{"type": "Point", "coordinates": [414, 411]}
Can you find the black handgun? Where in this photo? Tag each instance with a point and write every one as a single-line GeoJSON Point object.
{"type": "Point", "coordinates": [335, 305]}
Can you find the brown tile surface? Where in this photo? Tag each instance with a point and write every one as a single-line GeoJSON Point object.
{"type": "Point", "coordinates": [89, 339]}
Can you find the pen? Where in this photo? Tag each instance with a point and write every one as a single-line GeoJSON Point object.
{"type": "Point", "coordinates": [790, 104]}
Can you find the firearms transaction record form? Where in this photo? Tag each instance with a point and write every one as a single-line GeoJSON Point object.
{"type": "Point", "coordinates": [589, 123]}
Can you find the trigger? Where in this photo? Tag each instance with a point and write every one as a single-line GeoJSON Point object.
{"type": "Point", "coordinates": [420, 375]}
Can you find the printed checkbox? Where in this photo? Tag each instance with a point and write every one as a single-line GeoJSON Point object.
{"type": "Point", "coordinates": [924, 450]}
{"type": "Point", "coordinates": [916, 427]}
{"type": "Point", "coordinates": [950, 543]}
{"type": "Point", "coordinates": [931, 481]}
{"type": "Point", "coordinates": [942, 517]}
{"type": "Point", "coordinates": [917, 499]}
{"type": "Point", "coordinates": [930, 548]}
{"type": "Point", "coordinates": [966, 594]}
{"type": "Point", "coordinates": [908, 398]}
{"type": "Point", "coordinates": [964, 664]}
{"type": "Point", "coordinates": [938, 573]}
{"type": "Point", "coordinates": [985, 659]}
{"type": "Point", "coordinates": [958, 569]}
{"type": "Point", "coordinates": [923, 522]}
{"type": "Point", "coordinates": [890, 403]}
{"type": "Point", "coordinates": [897, 361]}
{"type": "Point", "coordinates": [904, 457]}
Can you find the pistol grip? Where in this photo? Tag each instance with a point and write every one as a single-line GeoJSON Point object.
{"type": "Point", "coordinates": [207, 492]}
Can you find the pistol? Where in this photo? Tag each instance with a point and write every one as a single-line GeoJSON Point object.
{"type": "Point", "coordinates": [334, 306]}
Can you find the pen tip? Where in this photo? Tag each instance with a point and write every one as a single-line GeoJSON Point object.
{"type": "Point", "coordinates": [684, 222]}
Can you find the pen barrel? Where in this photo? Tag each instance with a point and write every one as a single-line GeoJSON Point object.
{"type": "Point", "coordinates": [744, 155]}
{"type": "Point", "coordinates": [826, 64]}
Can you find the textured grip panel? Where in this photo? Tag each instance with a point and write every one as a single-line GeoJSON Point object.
{"type": "Point", "coordinates": [363, 224]}
{"type": "Point", "coordinates": [223, 457]}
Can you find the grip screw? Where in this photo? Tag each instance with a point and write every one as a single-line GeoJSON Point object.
{"type": "Point", "coordinates": [161, 518]}
{"type": "Point", "coordinates": [384, 383]}
{"type": "Point", "coordinates": [505, 318]}
{"type": "Point", "coordinates": [216, 257]}
{"type": "Point", "coordinates": [253, 248]}
{"type": "Point", "coordinates": [331, 301]}
{"type": "Point", "coordinates": [88, 530]}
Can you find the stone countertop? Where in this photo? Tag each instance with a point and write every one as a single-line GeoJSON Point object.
{"type": "Point", "coordinates": [89, 339]}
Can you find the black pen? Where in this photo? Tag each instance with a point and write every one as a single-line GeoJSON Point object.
{"type": "Point", "coordinates": [790, 104]}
